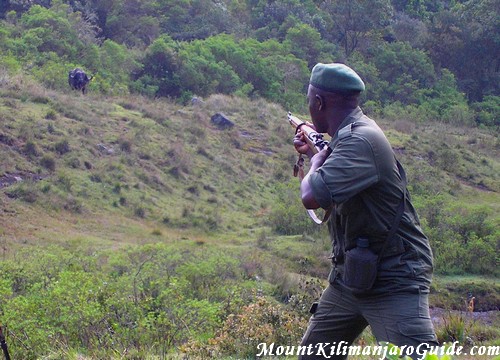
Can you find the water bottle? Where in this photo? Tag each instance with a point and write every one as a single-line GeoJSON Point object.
{"type": "Point", "coordinates": [360, 267]}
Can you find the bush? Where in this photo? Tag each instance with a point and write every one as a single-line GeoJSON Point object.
{"type": "Point", "coordinates": [263, 321]}
{"type": "Point", "coordinates": [459, 236]}
{"type": "Point", "coordinates": [48, 163]}
{"type": "Point", "coordinates": [141, 300]}
{"type": "Point", "coordinates": [140, 212]}
{"type": "Point", "coordinates": [445, 102]}
{"type": "Point", "coordinates": [51, 115]}
{"type": "Point", "coordinates": [488, 111]}
{"type": "Point", "coordinates": [62, 147]}
{"type": "Point", "coordinates": [31, 149]}
{"type": "Point", "coordinates": [53, 74]}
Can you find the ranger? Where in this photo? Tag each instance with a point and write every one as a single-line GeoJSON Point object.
{"type": "Point", "coordinates": [382, 261]}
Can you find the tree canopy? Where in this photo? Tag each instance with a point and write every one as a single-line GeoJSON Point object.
{"type": "Point", "coordinates": [404, 49]}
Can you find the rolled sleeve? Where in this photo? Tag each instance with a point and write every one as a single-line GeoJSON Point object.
{"type": "Point", "coordinates": [320, 190]}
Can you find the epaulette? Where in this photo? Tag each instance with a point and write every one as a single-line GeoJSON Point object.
{"type": "Point", "coordinates": [346, 131]}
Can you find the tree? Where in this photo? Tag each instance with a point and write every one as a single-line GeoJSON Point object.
{"type": "Point", "coordinates": [304, 42]}
{"type": "Point", "coordinates": [160, 67]}
{"type": "Point", "coordinates": [49, 30]}
{"type": "Point", "coordinates": [466, 40]}
{"type": "Point", "coordinates": [272, 19]}
{"type": "Point", "coordinates": [421, 9]}
{"type": "Point", "coordinates": [194, 19]}
{"type": "Point", "coordinates": [402, 70]}
{"type": "Point", "coordinates": [116, 64]}
{"type": "Point", "coordinates": [132, 22]}
{"type": "Point", "coordinates": [356, 21]}
{"type": "Point", "coordinates": [411, 30]}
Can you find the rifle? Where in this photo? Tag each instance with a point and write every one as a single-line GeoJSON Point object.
{"type": "Point", "coordinates": [3, 345]}
{"type": "Point", "coordinates": [313, 138]}
{"type": "Point", "coordinates": [316, 143]}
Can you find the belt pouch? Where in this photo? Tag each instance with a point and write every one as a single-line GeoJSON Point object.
{"type": "Point", "coordinates": [360, 268]}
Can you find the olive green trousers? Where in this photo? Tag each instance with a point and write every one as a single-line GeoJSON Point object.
{"type": "Point", "coordinates": [399, 318]}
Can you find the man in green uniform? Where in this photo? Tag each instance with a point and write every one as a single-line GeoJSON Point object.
{"type": "Point", "coordinates": [359, 178]}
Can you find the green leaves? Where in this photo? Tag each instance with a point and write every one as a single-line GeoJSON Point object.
{"type": "Point", "coordinates": [150, 298]}
{"type": "Point", "coordinates": [405, 50]}
{"type": "Point", "coordinates": [222, 64]}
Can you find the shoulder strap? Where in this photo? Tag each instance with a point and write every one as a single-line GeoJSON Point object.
{"type": "Point", "coordinates": [346, 131]}
{"type": "Point", "coordinates": [399, 214]}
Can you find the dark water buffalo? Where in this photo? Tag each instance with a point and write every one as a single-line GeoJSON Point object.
{"type": "Point", "coordinates": [78, 80]}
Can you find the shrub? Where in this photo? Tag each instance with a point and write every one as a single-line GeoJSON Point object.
{"type": "Point", "coordinates": [48, 162]}
{"type": "Point", "coordinates": [460, 235]}
{"type": "Point", "coordinates": [140, 212]}
{"type": "Point", "coordinates": [488, 111]}
{"type": "Point", "coordinates": [31, 149]}
{"type": "Point", "coordinates": [53, 74]}
{"type": "Point", "coordinates": [454, 328]}
{"type": "Point", "coordinates": [25, 191]}
{"type": "Point", "coordinates": [126, 145]}
{"type": "Point", "coordinates": [73, 205]}
{"type": "Point", "coordinates": [263, 321]}
{"type": "Point", "coordinates": [51, 115]}
{"type": "Point", "coordinates": [64, 181]}
{"type": "Point", "coordinates": [288, 216]}
{"type": "Point", "coordinates": [62, 147]}
{"type": "Point", "coordinates": [74, 162]}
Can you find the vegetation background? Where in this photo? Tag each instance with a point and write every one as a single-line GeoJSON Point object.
{"type": "Point", "coordinates": [132, 227]}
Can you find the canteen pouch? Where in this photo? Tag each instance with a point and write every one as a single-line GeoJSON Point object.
{"type": "Point", "coordinates": [360, 270]}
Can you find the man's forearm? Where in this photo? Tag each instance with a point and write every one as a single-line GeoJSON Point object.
{"type": "Point", "coordinates": [306, 193]}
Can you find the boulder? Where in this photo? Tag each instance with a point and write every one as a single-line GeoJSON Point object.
{"type": "Point", "coordinates": [221, 121]}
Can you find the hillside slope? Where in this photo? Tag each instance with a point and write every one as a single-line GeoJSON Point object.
{"type": "Point", "coordinates": [120, 163]}
{"type": "Point", "coordinates": [84, 157]}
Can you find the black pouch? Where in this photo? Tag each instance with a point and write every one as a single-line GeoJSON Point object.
{"type": "Point", "coordinates": [360, 268]}
{"type": "Point", "coordinates": [314, 308]}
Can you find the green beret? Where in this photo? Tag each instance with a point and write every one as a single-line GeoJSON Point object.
{"type": "Point", "coordinates": [336, 78]}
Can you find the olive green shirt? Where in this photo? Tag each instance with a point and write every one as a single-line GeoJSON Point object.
{"type": "Point", "coordinates": [360, 178]}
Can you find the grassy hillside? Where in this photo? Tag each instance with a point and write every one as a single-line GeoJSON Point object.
{"type": "Point", "coordinates": [154, 190]}
{"type": "Point", "coordinates": [141, 159]}
{"type": "Point", "coordinates": [159, 163]}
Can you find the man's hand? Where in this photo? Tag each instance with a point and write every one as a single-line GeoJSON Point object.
{"type": "Point", "coordinates": [300, 144]}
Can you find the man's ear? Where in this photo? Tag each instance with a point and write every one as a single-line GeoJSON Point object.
{"type": "Point", "coordinates": [320, 101]}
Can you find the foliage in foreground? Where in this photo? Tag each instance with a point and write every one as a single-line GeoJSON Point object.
{"type": "Point", "coordinates": [138, 301]}
{"type": "Point", "coordinates": [158, 300]}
